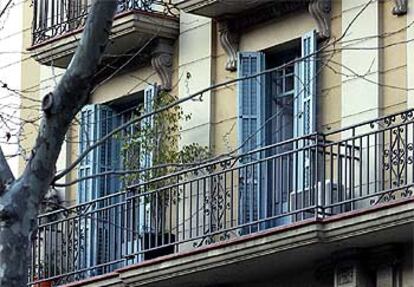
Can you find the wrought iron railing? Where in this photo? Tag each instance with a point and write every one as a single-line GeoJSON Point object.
{"type": "Point", "coordinates": [311, 177]}
{"type": "Point", "coordinates": [52, 18]}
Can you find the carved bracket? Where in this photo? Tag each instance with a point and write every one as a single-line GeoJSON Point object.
{"type": "Point", "coordinates": [162, 62]}
{"type": "Point", "coordinates": [400, 8]}
{"type": "Point", "coordinates": [229, 40]}
{"type": "Point", "coordinates": [321, 12]}
{"type": "Point", "coordinates": [229, 27]}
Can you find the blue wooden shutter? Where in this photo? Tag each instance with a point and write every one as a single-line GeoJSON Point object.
{"type": "Point", "coordinates": [107, 153]}
{"type": "Point", "coordinates": [308, 76]}
{"type": "Point", "coordinates": [305, 106]}
{"type": "Point", "coordinates": [96, 121]}
{"type": "Point", "coordinates": [250, 135]}
{"type": "Point", "coordinates": [87, 188]}
{"type": "Point", "coordinates": [107, 160]}
{"type": "Point", "coordinates": [87, 165]}
{"type": "Point", "coordinates": [147, 158]}
{"type": "Point", "coordinates": [149, 96]}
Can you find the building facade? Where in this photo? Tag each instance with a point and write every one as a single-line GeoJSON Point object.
{"type": "Point", "coordinates": [10, 28]}
{"type": "Point", "coordinates": [305, 110]}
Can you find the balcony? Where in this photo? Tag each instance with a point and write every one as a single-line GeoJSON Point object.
{"type": "Point", "coordinates": [57, 26]}
{"type": "Point", "coordinates": [300, 194]}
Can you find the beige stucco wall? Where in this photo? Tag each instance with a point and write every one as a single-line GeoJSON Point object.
{"type": "Point", "coordinates": [30, 80]}
{"type": "Point", "coordinates": [357, 60]}
{"type": "Point", "coordinates": [330, 91]}
{"type": "Point", "coordinates": [394, 60]}
{"type": "Point", "coordinates": [410, 55]}
{"type": "Point", "coordinates": [195, 73]}
{"type": "Point", "coordinates": [374, 71]}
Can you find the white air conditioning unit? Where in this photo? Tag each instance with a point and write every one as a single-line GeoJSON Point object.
{"type": "Point", "coordinates": [304, 200]}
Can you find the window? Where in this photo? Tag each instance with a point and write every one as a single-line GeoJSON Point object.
{"type": "Point", "coordinates": [103, 227]}
{"type": "Point", "coordinates": [273, 108]}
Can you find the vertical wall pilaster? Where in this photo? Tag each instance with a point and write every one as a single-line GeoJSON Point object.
{"type": "Point", "coordinates": [194, 74]}
{"type": "Point", "coordinates": [410, 54]}
{"type": "Point", "coordinates": [360, 68]}
{"type": "Point", "coordinates": [195, 65]}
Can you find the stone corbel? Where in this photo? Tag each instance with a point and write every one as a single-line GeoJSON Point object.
{"type": "Point", "coordinates": [162, 62]}
{"type": "Point", "coordinates": [400, 8]}
{"type": "Point", "coordinates": [321, 12]}
{"type": "Point", "coordinates": [229, 40]}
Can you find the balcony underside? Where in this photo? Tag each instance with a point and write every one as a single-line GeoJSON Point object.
{"type": "Point", "coordinates": [131, 31]}
{"type": "Point", "coordinates": [309, 244]}
{"type": "Point", "coordinates": [217, 8]}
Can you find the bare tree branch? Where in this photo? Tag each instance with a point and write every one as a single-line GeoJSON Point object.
{"type": "Point", "coordinates": [6, 175]}
{"type": "Point", "coordinates": [5, 8]}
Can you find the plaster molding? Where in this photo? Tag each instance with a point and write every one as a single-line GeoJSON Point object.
{"type": "Point", "coordinates": [229, 40]}
{"type": "Point", "coordinates": [400, 8]}
{"type": "Point", "coordinates": [162, 62]}
{"type": "Point", "coordinates": [321, 12]}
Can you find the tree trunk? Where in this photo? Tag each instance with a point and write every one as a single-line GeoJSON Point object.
{"type": "Point", "coordinates": [20, 199]}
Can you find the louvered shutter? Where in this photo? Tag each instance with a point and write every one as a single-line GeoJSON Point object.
{"type": "Point", "coordinates": [308, 79]}
{"type": "Point", "coordinates": [250, 135]}
{"type": "Point", "coordinates": [96, 121]}
{"type": "Point", "coordinates": [108, 153]}
{"type": "Point", "coordinates": [147, 157]}
{"type": "Point", "coordinates": [305, 106]}
{"type": "Point", "coordinates": [149, 96]}
{"type": "Point", "coordinates": [86, 188]}
{"type": "Point", "coordinates": [87, 165]}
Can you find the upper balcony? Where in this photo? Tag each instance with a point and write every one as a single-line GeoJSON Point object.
{"type": "Point", "coordinates": [58, 24]}
{"type": "Point", "coordinates": [304, 194]}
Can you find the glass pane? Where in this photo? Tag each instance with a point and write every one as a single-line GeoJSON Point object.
{"type": "Point", "coordinates": [289, 86]}
{"type": "Point", "coordinates": [289, 70]}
